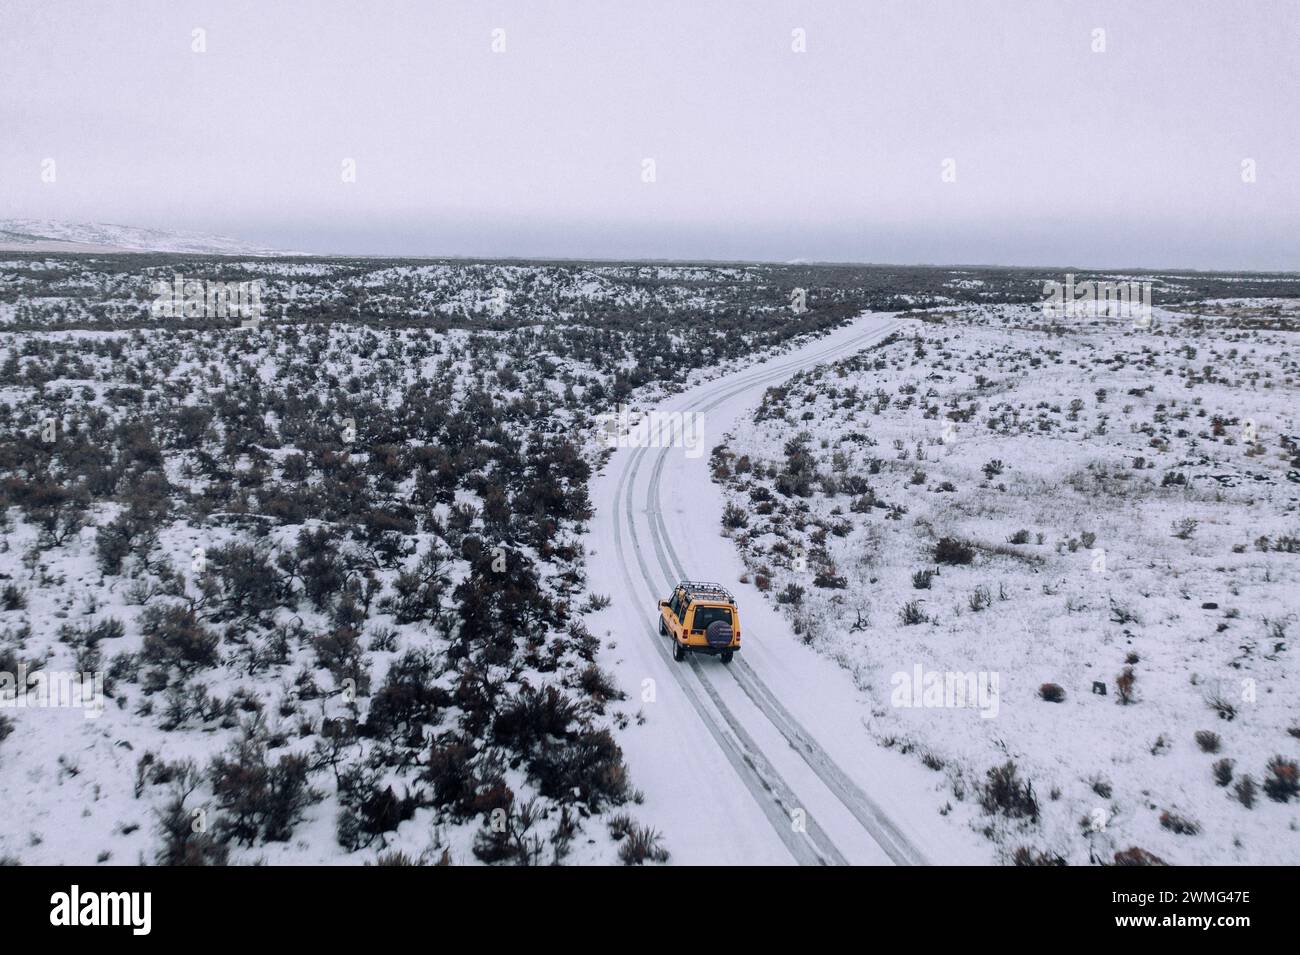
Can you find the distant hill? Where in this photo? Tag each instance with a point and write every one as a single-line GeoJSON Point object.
{"type": "Point", "coordinates": [45, 235]}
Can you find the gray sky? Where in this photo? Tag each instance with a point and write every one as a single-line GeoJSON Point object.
{"type": "Point", "coordinates": [1131, 156]}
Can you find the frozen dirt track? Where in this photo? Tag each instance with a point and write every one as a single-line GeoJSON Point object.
{"type": "Point", "coordinates": [765, 760]}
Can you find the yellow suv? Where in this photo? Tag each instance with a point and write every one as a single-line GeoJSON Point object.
{"type": "Point", "coordinates": [700, 618]}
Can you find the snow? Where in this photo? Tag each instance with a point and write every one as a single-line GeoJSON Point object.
{"type": "Point", "coordinates": [703, 807]}
{"type": "Point", "coordinates": [48, 235]}
{"type": "Point", "coordinates": [1214, 403]}
{"type": "Point", "coordinates": [797, 752]}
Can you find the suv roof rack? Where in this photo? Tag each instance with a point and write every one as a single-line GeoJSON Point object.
{"type": "Point", "coordinates": [704, 588]}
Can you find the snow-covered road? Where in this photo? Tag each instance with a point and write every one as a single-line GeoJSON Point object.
{"type": "Point", "coordinates": [766, 760]}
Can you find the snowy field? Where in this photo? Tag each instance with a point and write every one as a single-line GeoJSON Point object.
{"type": "Point", "coordinates": [331, 574]}
{"type": "Point", "coordinates": [363, 585]}
{"type": "Point", "coordinates": [1067, 548]}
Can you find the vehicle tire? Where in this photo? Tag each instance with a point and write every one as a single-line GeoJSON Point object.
{"type": "Point", "coordinates": [663, 630]}
{"type": "Point", "coordinates": [679, 652]}
{"type": "Point", "coordinates": [726, 656]}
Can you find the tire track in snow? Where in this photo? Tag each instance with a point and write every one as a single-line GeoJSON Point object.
{"type": "Point", "coordinates": [868, 813]}
{"type": "Point", "coordinates": [774, 796]}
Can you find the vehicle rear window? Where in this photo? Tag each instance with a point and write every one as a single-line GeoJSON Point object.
{"type": "Point", "coordinates": [707, 615]}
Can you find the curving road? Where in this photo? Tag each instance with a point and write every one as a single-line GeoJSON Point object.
{"type": "Point", "coordinates": [765, 760]}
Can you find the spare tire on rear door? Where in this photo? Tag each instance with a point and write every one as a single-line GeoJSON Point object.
{"type": "Point", "coordinates": [718, 634]}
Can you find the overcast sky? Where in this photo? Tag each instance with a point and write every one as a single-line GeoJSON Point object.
{"type": "Point", "coordinates": [1062, 155]}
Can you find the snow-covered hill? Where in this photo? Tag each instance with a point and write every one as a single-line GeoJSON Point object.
{"type": "Point", "coordinates": [47, 235]}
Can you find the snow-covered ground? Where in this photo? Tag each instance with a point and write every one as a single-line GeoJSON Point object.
{"type": "Point", "coordinates": [85, 790]}
{"type": "Point", "coordinates": [768, 759]}
{"type": "Point", "coordinates": [1130, 501]}
{"type": "Point", "coordinates": [395, 443]}
{"type": "Point", "coordinates": [406, 408]}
